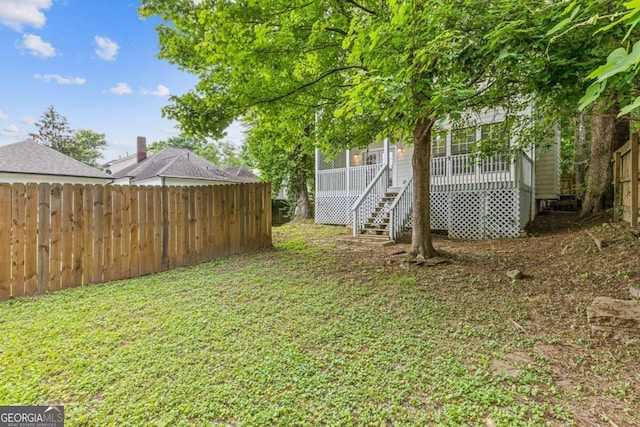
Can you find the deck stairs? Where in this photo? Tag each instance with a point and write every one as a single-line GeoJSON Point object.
{"type": "Point", "coordinates": [376, 227]}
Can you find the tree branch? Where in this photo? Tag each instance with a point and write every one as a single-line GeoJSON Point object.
{"type": "Point", "coordinates": [359, 6]}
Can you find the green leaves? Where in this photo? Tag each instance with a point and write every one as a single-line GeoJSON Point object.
{"type": "Point", "coordinates": [573, 9]}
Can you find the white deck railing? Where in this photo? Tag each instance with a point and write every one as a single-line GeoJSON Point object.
{"type": "Point", "coordinates": [367, 202]}
{"type": "Point", "coordinates": [400, 210]}
{"type": "Point", "coordinates": [461, 172]}
{"type": "Point", "coordinates": [334, 182]}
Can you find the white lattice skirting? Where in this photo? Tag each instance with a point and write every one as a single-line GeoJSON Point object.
{"type": "Point", "coordinates": [482, 214]}
{"type": "Point", "coordinates": [334, 209]}
{"type": "Point", "coordinates": [477, 214]}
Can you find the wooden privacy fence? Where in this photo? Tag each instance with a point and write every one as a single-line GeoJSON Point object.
{"type": "Point", "coordinates": [625, 180]}
{"type": "Point", "coordinates": [55, 236]}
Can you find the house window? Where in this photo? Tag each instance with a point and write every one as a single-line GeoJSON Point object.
{"type": "Point", "coordinates": [439, 145]}
{"type": "Point", "coordinates": [495, 136]}
{"type": "Point", "coordinates": [462, 142]}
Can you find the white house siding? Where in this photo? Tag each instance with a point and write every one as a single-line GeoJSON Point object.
{"type": "Point", "coordinates": [547, 170]}
{"type": "Point", "coordinates": [119, 164]}
{"type": "Point", "coordinates": [12, 178]}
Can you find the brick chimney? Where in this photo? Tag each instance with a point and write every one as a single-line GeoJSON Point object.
{"type": "Point", "coordinates": [142, 148]}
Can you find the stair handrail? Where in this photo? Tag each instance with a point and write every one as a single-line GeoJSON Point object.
{"type": "Point", "coordinates": [400, 210]}
{"type": "Point", "coordinates": [374, 191]}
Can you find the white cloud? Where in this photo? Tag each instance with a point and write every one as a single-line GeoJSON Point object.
{"type": "Point", "coordinates": [121, 89]}
{"type": "Point", "coordinates": [3, 116]}
{"type": "Point", "coordinates": [36, 46]}
{"type": "Point", "coordinates": [10, 130]}
{"type": "Point", "coordinates": [106, 48]}
{"type": "Point", "coordinates": [161, 91]}
{"type": "Point", "coordinates": [60, 80]}
{"type": "Point", "coordinates": [28, 120]}
{"type": "Point", "coordinates": [17, 14]}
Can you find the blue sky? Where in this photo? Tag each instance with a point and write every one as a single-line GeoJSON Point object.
{"type": "Point", "coordinates": [95, 62]}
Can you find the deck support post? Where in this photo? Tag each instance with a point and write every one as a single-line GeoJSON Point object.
{"type": "Point", "coordinates": [386, 155]}
{"type": "Point", "coordinates": [348, 177]}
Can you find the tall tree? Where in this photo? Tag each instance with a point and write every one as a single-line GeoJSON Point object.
{"type": "Point", "coordinates": [86, 146]}
{"type": "Point", "coordinates": [54, 131]}
{"type": "Point", "coordinates": [282, 150]}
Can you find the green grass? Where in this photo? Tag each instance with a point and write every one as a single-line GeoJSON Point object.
{"type": "Point", "coordinates": [295, 335]}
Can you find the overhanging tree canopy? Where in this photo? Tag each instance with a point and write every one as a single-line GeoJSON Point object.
{"type": "Point", "coordinates": [365, 68]}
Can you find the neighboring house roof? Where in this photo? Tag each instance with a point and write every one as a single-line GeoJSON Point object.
{"type": "Point", "coordinates": [29, 157]}
{"type": "Point", "coordinates": [242, 172]}
{"type": "Point", "coordinates": [171, 162]}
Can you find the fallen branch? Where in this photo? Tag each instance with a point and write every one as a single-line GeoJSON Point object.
{"type": "Point", "coordinates": [519, 326]}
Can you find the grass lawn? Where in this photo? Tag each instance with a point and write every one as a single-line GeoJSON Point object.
{"type": "Point", "coordinates": [305, 333]}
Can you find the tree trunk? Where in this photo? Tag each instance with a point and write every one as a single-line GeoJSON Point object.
{"type": "Point", "coordinates": [580, 155]}
{"type": "Point", "coordinates": [303, 205]}
{"type": "Point", "coordinates": [600, 172]}
{"type": "Point", "coordinates": [421, 242]}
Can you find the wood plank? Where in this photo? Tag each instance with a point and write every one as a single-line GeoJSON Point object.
{"type": "Point", "coordinates": [31, 240]}
{"type": "Point", "coordinates": [5, 241]}
{"type": "Point", "coordinates": [44, 238]}
{"type": "Point", "coordinates": [134, 230]}
{"type": "Point", "coordinates": [116, 232]}
{"type": "Point", "coordinates": [181, 219]}
{"type": "Point", "coordinates": [98, 230]}
{"type": "Point", "coordinates": [125, 252]}
{"type": "Point", "coordinates": [107, 269]}
{"type": "Point", "coordinates": [634, 179]}
{"type": "Point", "coordinates": [215, 216]}
{"type": "Point", "coordinates": [88, 259]}
{"type": "Point", "coordinates": [157, 229]}
{"type": "Point", "coordinates": [225, 228]}
{"type": "Point", "coordinates": [148, 253]}
{"type": "Point", "coordinates": [166, 237]}
{"type": "Point", "coordinates": [254, 239]}
{"type": "Point", "coordinates": [206, 204]}
{"type": "Point", "coordinates": [55, 263]}
{"type": "Point", "coordinates": [18, 233]}
{"type": "Point", "coordinates": [198, 220]}
{"type": "Point", "coordinates": [173, 227]}
{"type": "Point", "coordinates": [78, 234]}
{"type": "Point", "coordinates": [191, 251]}
{"type": "Point", "coordinates": [142, 231]}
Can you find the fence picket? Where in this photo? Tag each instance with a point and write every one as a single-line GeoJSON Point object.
{"type": "Point", "coordinates": [31, 241]}
{"type": "Point", "coordinates": [78, 234]}
{"type": "Point", "coordinates": [18, 232]}
{"type": "Point", "coordinates": [55, 262]}
{"type": "Point", "coordinates": [5, 241]}
{"type": "Point", "coordinates": [44, 238]}
{"type": "Point", "coordinates": [98, 230]}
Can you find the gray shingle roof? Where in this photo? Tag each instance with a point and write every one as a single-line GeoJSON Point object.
{"type": "Point", "coordinates": [32, 158]}
{"type": "Point", "coordinates": [174, 162]}
{"type": "Point", "coordinates": [242, 172]}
